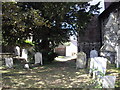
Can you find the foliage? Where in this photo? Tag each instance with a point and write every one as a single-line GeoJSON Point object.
{"type": "Point", "coordinates": [17, 23]}
{"type": "Point", "coordinates": [80, 15]}
{"type": "Point", "coordinates": [29, 42]}
{"type": "Point", "coordinates": [48, 56]}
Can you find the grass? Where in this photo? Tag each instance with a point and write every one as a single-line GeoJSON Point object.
{"type": "Point", "coordinates": [113, 71]}
{"type": "Point", "coordinates": [54, 75]}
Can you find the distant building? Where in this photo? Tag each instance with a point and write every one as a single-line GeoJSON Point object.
{"type": "Point", "coordinates": [68, 49]}
{"type": "Point", "coordinates": [72, 48]}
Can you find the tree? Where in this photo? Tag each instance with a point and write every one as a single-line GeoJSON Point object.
{"type": "Point", "coordinates": [17, 23]}
{"type": "Point", "coordinates": [57, 13]}
{"type": "Point", "coordinates": [44, 21]}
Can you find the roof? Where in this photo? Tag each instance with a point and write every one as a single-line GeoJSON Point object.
{"type": "Point", "coordinates": [111, 8]}
{"type": "Point", "coordinates": [108, 48]}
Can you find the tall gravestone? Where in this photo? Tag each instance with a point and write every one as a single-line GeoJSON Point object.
{"type": "Point", "coordinates": [118, 56]}
{"type": "Point", "coordinates": [9, 62]}
{"type": "Point", "coordinates": [25, 54]}
{"type": "Point", "coordinates": [81, 60]}
{"type": "Point", "coordinates": [93, 54]}
{"type": "Point", "coordinates": [17, 51]}
{"type": "Point", "coordinates": [38, 58]}
{"type": "Point", "coordinates": [98, 66]}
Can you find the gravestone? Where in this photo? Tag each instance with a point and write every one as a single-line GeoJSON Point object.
{"type": "Point", "coordinates": [118, 56]}
{"type": "Point", "coordinates": [93, 53]}
{"type": "Point", "coordinates": [81, 60]}
{"type": "Point", "coordinates": [25, 54]}
{"type": "Point", "coordinates": [9, 62]}
{"type": "Point", "coordinates": [98, 66]}
{"type": "Point", "coordinates": [108, 81]}
{"type": "Point", "coordinates": [26, 66]}
{"type": "Point", "coordinates": [38, 58]}
{"type": "Point", "coordinates": [91, 66]}
{"type": "Point", "coordinates": [17, 51]}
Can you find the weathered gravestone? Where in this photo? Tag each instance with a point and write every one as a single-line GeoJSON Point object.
{"type": "Point", "coordinates": [38, 58]}
{"type": "Point", "coordinates": [108, 81]}
{"type": "Point", "coordinates": [98, 66]}
{"type": "Point", "coordinates": [81, 60]}
{"type": "Point", "coordinates": [24, 54]}
{"type": "Point", "coordinates": [17, 51]}
{"type": "Point", "coordinates": [9, 62]}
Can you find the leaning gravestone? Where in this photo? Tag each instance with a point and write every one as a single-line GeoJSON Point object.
{"type": "Point", "coordinates": [38, 58]}
{"type": "Point", "coordinates": [9, 62]}
{"type": "Point", "coordinates": [98, 66]}
{"type": "Point", "coordinates": [81, 60]}
{"type": "Point", "coordinates": [24, 54]}
{"type": "Point", "coordinates": [108, 81]}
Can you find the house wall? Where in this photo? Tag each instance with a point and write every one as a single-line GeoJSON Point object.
{"type": "Point", "coordinates": [72, 48]}
{"type": "Point", "coordinates": [67, 50]}
{"type": "Point", "coordinates": [60, 50]}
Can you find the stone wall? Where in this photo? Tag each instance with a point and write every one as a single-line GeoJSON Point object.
{"type": "Point", "coordinates": [91, 38]}
{"type": "Point", "coordinates": [110, 27]}
{"type": "Point", "coordinates": [87, 47]}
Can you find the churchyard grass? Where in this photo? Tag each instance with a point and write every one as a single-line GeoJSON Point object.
{"type": "Point", "coordinates": [54, 75]}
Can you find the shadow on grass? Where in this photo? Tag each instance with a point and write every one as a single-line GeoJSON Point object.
{"type": "Point", "coordinates": [54, 75]}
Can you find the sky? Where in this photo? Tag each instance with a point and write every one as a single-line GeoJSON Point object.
{"type": "Point", "coordinates": [101, 4]}
{"type": "Point", "coordinates": [92, 2]}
